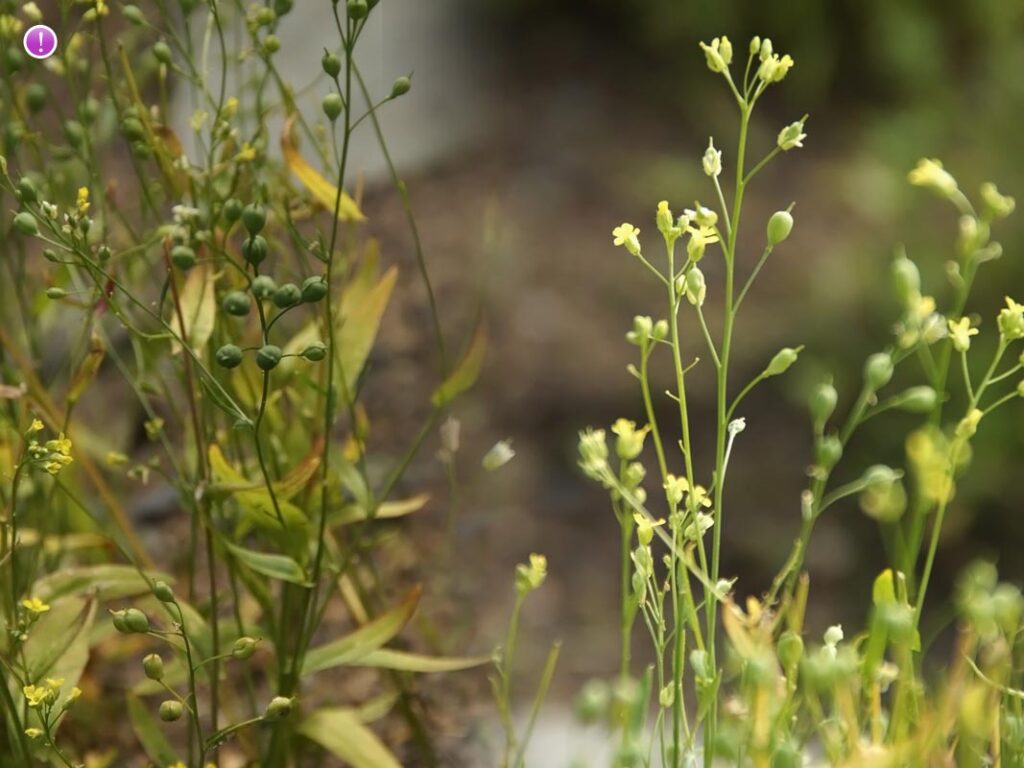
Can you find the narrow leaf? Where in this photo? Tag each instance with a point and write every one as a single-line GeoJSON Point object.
{"type": "Point", "coordinates": [279, 567]}
{"type": "Point", "coordinates": [466, 372]}
{"type": "Point", "coordinates": [198, 310]}
{"type": "Point", "coordinates": [353, 513]}
{"type": "Point", "coordinates": [148, 732]}
{"type": "Point", "coordinates": [386, 658]}
{"type": "Point", "coordinates": [354, 337]}
{"type": "Point", "coordinates": [322, 190]}
{"type": "Point", "coordinates": [340, 732]}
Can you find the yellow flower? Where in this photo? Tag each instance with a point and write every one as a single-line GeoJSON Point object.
{"type": "Point", "coordinates": [630, 441]}
{"type": "Point", "coordinates": [37, 695]}
{"type": "Point", "coordinates": [645, 527]}
{"type": "Point", "coordinates": [60, 445]}
{"type": "Point", "coordinates": [931, 175]}
{"type": "Point", "coordinates": [247, 154]}
{"type": "Point", "coordinates": [34, 605]}
{"type": "Point", "coordinates": [626, 234]}
{"type": "Point", "coordinates": [83, 200]}
{"type": "Point", "coordinates": [74, 694]}
{"type": "Point", "coordinates": [36, 426]}
{"type": "Point", "coordinates": [54, 683]}
{"type": "Point", "coordinates": [700, 238]}
{"type": "Point", "coordinates": [33, 733]}
{"type": "Point", "coordinates": [960, 333]}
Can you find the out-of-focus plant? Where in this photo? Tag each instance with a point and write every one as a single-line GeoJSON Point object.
{"type": "Point", "coordinates": [240, 309]}
{"type": "Point", "coordinates": [769, 700]}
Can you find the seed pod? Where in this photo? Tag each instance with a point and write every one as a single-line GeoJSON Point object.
{"type": "Point", "coordinates": [136, 621]}
{"type": "Point", "coordinates": [183, 257]}
{"type": "Point", "coordinates": [268, 357]}
{"type": "Point", "coordinates": [315, 352]}
{"type": "Point", "coordinates": [828, 451]}
{"type": "Point", "coordinates": [783, 359]}
{"type": "Point", "coordinates": [244, 648]}
{"type": "Point", "coordinates": [142, 150]}
{"type": "Point", "coordinates": [906, 278]}
{"type": "Point", "coordinates": [163, 592]}
{"type": "Point", "coordinates": [170, 710]}
{"type": "Point", "coordinates": [233, 210]}
{"type": "Point", "coordinates": [278, 708]}
{"type": "Point", "coordinates": [153, 666]}
{"type": "Point", "coordinates": [134, 15]}
{"type": "Point", "coordinates": [878, 370]}
{"type": "Point", "coordinates": [229, 356]}
{"type": "Point", "coordinates": [74, 133]}
{"type": "Point", "coordinates": [401, 86]}
{"type": "Point", "coordinates": [254, 249]}
{"type": "Point", "coordinates": [331, 64]}
{"type": "Point", "coordinates": [162, 52]}
{"type": "Point", "coordinates": [281, 7]}
{"type": "Point", "coordinates": [55, 293]}
{"type": "Point", "coordinates": [332, 105]}
{"type": "Point", "coordinates": [25, 224]}
{"type": "Point", "coordinates": [35, 97]}
{"type": "Point", "coordinates": [918, 399]}
{"type": "Point", "coordinates": [103, 253]}
{"type": "Point", "coordinates": [357, 9]}
{"type": "Point", "coordinates": [27, 190]}
{"type": "Point", "coordinates": [117, 617]}
{"type": "Point", "coordinates": [263, 287]}
{"type": "Point", "coordinates": [237, 303]}
{"type": "Point", "coordinates": [313, 289]}
{"type": "Point", "coordinates": [822, 403]}
{"type": "Point", "coordinates": [288, 295]}
{"type": "Point", "coordinates": [271, 44]}
{"type": "Point", "coordinates": [51, 255]}
{"type": "Point", "coordinates": [132, 129]}
{"type": "Point", "coordinates": [779, 227]}
{"type": "Point", "coordinates": [592, 702]}
{"type": "Point", "coordinates": [254, 218]}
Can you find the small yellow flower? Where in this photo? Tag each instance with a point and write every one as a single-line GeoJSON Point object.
{"type": "Point", "coordinates": [33, 733]}
{"type": "Point", "coordinates": [82, 203]}
{"type": "Point", "coordinates": [700, 238]}
{"type": "Point", "coordinates": [630, 441]}
{"type": "Point", "coordinates": [34, 605]}
{"type": "Point", "coordinates": [960, 333]}
{"type": "Point", "coordinates": [32, 12]}
{"type": "Point", "coordinates": [627, 235]}
{"type": "Point", "coordinates": [931, 175]}
{"type": "Point", "coordinates": [247, 154]}
{"type": "Point", "coordinates": [645, 527]}
{"type": "Point", "coordinates": [36, 426]}
{"type": "Point", "coordinates": [37, 695]}
{"type": "Point", "coordinates": [54, 683]}
{"type": "Point", "coordinates": [74, 694]}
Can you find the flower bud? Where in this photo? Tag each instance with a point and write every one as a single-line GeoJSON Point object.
{"type": "Point", "coordinates": [229, 356]}
{"type": "Point", "coordinates": [271, 44]}
{"type": "Point", "coordinates": [332, 105]}
{"type": "Point", "coordinates": [331, 64]}
{"type": "Point", "coordinates": [592, 702]}
{"type": "Point", "coordinates": [779, 226]}
{"type": "Point", "coordinates": [998, 206]}
{"type": "Point", "coordinates": [281, 7]}
{"type": "Point", "coordinates": [828, 451]}
{"type": "Point", "coordinates": [163, 592]}
{"type": "Point", "coordinates": [254, 249]}
{"type": "Point", "coordinates": [315, 352]}
{"type": "Point", "coordinates": [263, 286]}
{"type": "Point", "coordinates": [278, 708]}
{"type": "Point", "coordinates": [906, 278]}
{"type": "Point", "coordinates": [314, 289]}
{"type": "Point", "coordinates": [268, 357]}
{"type": "Point", "coordinates": [162, 52]}
{"type": "Point", "coordinates": [244, 648]}
{"type": "Point", "coordinates": [183, 257]}
{"type": "Point", "coordinates": [878, 370]}
{"type": "Point", "coordinates": [153, 666]}
{"type": "Point", "coordinates": [357, 9]}
{"type": "Point", "coordinates": [25, 224]}
{"type": "Point", "coordinates": [134, 15]}
{"type": "Point", "coordinates": [921, 399]}
{"type": "Point", "coordinates": [791, 136]}
{"type": "Point", "coordinates": [171, 710]}
{"type": "Point", "coordinates": [790, 648]}
{"type": "Point", "coordinates": [696, 287]}
{"type": "Point", "coordinates": [254, 218]}
{"type": "Point", "coordinates": [783, 359]}
{"type": "Point", "coordinates": [712, 160]}
{"type": "Point", "coordinates": [27, 190]}
{"type": "Point", "coordinates": [288, 295]}
{"type": "Point", "coordinates": [237, 303]}
{"type": "Point", "coordinates": [822, 403]}
{"type": "Point", "coordinates": [400, 87]}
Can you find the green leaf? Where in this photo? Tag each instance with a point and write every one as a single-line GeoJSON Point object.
{"type": "Point", "coordinates": [386, 658]}
{"type": "Point", "coordinates": [340, 732]}
{"type": "Point", "coordinates": [466, 372]}
{"type": "Point", "coordinates": [148, 732]}
{"type": "Point", "coordinates": [354, 646]}
{"type": "Point", "coordinates": [257, 505]}
{"type": "Point", "coordinates": [61, 630]}
{"type": "Point", "coordinates": [357, 330]}
{"type": "Point", "coordinates": [353, 513]}
{"type": "Point", "coordinates": [108, 582]}
{"type": "Point", "coordinates": [279, 567]}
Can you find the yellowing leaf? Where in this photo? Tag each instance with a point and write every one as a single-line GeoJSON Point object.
{"type": "Point", "coordinates": [353, 513]}
{"type": "Point", "coordinates": [322, 190]}
{"type": "Point", "coordinates": [466, 372]}
{"type": "Point", "coordinates": [254, 500]}
{"type": "Point", "coordinates": [198, 309]}
{"type": "Point", "coordinates": [340, 731]}
{"type": "Point", "coordinates": [385, 658]}
{"type": "Point", "coordinates": [87, 370]}
{"type": "Point", "coordinates": [358, 328]}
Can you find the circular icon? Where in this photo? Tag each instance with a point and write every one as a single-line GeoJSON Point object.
{"type": "Point", "coordinates": [40, 42]}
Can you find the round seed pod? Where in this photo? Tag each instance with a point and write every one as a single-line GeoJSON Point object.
{"type": "Point", "coordinates": [401, 86]}
{"type": "Point", "coordinates": [27, 190]}
{"type": "Point", "coordinates": [163, 592]}
{"type": "Point", "coordinates": [254, 218]}
{"type": "Point", "coordinates": [183, 257]}
{"type": "Point", "coordinates": [55, 293]}
{"type": "Point", "coordinates": [103, 253]}
{"type": "Point", "coordinates": [170, 710]}
{"type": "Point", "coordinates": [142, 150]}
{"type": "Point", "coordinates": [268, 357]}
{"type": "Point", "coordinates": [823, 402]}
{"type": "Point", "coordinates": [35, 97]}
{"type": "Point", "coordinates": [263, 287]}
{"type": "Point", "coordinates": [271, 44]}
{"type": "Point", "coordinates": [315, 352]}
{"type": "Point", "coordinates": [117, 617]}
{"type": "Point", "coordinates": [313, 289]}
{"type": "Point", "coordinates": [828, 451]}
{"type": "Point", "coordinates": [153, 666]}
{"type": "Point", "coordinates": [237, 303]}
{"type": "Point", "coordinates": [233, 210]}
{"type": "Point", "coordinates": [357, 9]}
{"type": "Point", "coordinates": [331, 64]}
{"type": "Point", "coordinates": [278, 708]}
{"type": "Point", "coordinates": [74, 133]}
{"type": "Point", "coordinates": [134, 14]}
{"type": "Point", "coordinates": [878, 370]}
{"type": "Point", "coordinates": [162, 52]}
{"type": "Point", "coordinates": [132, 129]}
{"type": "Point", "coordinates": [243, 648]}
{"type": "Point", "coordinates": [254, 249]}
{"type": "Point", "coordinates": [288, 295]}
{"type": "Point", "coordinates": [332, 105]}
{"type": "Point", "coordinates": [136, 621]}
{"type": "Point", "coordinates": [25, 224]}
{"type": "Point", "coordinates": [229, 356]}
{"type": "Point", "coordinates": [779, 227]}
{"type": "Point", "coordinates": [281, 7]}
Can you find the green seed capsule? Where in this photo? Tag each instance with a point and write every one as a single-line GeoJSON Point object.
{"type": "Point", "coordinates": [170, 710]}
{"type": "Point", "coordinates": [332, 106]}
{"type": "Point", "coordinates": [828, 451]}
{"type": "Point", "coordinates": [136, 621]}
{"type": "Point", "coordinates": [142, 150]}
{"type": "Point", "coordinates": [281, 7]}
{"type": "Point", "coordinates": [229, 356]}
{"type": "Point", "coordinates": [163, 592]}
{"type": "Point", "coordinates": [134, 14]}
{"type": "Point", "coordinates": [278, 708]}
{"type": "Point", "coordinates": [357, 9]}
{"type": "Point", "coordinates": [233, 210]}
{"type": "Point", "coordinates": [822, 403]}
{"type": "Point", "coordinates": [132, 129]}
{"type": "Point", "coordinates": [313, 289]}
{"type": "Point", "coordinates": [35, 97]}
{"type": "Point", "coordinates": [790, 648]}
{"type": "Point", "coordinates": [331, 64]}
{"type": "Point", "coordinates": [783, 359]}
{"type": "Point", "coordinates": [268, 357]}
{"type": "Point", "coordinates": [254, 218]}
{"type": "Point", "coordinates": [244, 648]}
{"type": "Point", "coordinates": [51, 255]}
{"type": "Point", "coordinates": [271, 44]}
{"type": "Point", "coordinates": [237, 303]}
{"type": "Point", "coordinates": [315, 352]}
{"type": "Point", "coordinates": [401, 86]}
{"type": "Point", "coordinates": [878, 370]}
{"type": "Point", "coordinates": [117, 618]}
{"type": "Point", "coordinates": [254, 249]}
{"type": "Point", "coordinates": [263, 287]}
{"type": "Point", "coordinates": [779, 227]}
{"type": "Point", "coordinates": [921, 399]}
{"type": "Point", "coordinates": [25, 224]}
{"type": "Point", "coordinates": [288, 295]}
{"type": "Point", "coordinates": [183, 257]}
{"type": "Point", "coordinates": [74, 133]}
{"type": "Point", "coordinates": [153, 666]}
{"type": "Point", "coordinates": [162, 52]}
{"type": "Point", "coordinates": [103, 253]}
{"type": "Point", "coordinates": [27, 190]}
{"type": "Point", "coordinates": [56, 293]}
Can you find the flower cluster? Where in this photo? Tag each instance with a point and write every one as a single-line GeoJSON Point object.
{"type": "Point", "coordinates": [51, 456]}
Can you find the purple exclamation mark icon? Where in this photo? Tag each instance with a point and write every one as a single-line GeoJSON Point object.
{"type": "Point", "coordinates": [40, 42]}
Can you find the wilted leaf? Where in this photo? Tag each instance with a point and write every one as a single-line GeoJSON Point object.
{"type": "Point", "coordinates": [386, 658]}
{"type": "Point", "coordinates": [198, 309]}
{"type": "Point", "coordinates": [354, 337]}
{"type": "Point", "coordinates": [257, 505]}
{"type": "Point", "coordinates": [353, 513]}
{"type": "Point", "coordinates": [466, 372]}
{"type": "Point", "coordinates": [322, 190]}
{"type": "Point", "coordinates": [341, 732]}
{"type": "Point", "coordinates": [87, 370]}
